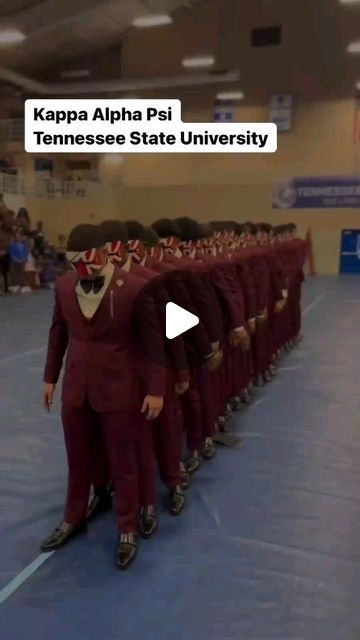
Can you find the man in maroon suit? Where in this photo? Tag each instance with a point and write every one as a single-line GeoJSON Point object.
{"type": "Point", "coordinates": [108, 325]}
{"type": "Point", "coordinates": [168, 427]}
{"type": "Point", "coordinates": [206, 306]}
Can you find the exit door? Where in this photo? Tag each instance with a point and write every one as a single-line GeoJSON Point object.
{"type": "Point", "coordinates": [350, 251]}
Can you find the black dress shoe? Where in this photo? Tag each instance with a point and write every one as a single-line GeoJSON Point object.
{"type": "Point", "coordinates": [251, 389]}
{"type": "Point", "coordinates": [209, 449]}
{"type": "Point", "coordinates": [222, 424]}
{"type": "Point", "coordinates": [185, 480]}
{"type": "Point", "coordinates": [246, 397]}
{"type": "Point", "coordinates": [193, 463]}
{"type": "Point", "coordinates": [99, 503]}
{"type": "Point", "coordinates": [176, 501]}
{"type": "Point", "coordinates": [148, 523]}
{"type": "Point", "coordinates": [259, 382]}
{"type": "Point", "coordinates": [126, 551]}
{"type": "Point", "coordinates": [272, 370]}
{"type": "Point", "coordinates": [236, 403]}
{"type": "Point", "coordinates": [61, 535]}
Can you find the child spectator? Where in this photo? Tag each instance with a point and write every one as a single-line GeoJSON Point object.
{"type": "Point", "coordinates": [47, 273]}
{"type": "Point", "coordinates": [61, 254]}
{"type": "Point", "coordinates": [19, 253]}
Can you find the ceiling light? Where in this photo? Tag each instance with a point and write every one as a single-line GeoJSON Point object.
{"type": "Point", "coordinates": [354, 47]}
{"type": "Point", "coordinates": [230, 95]}
{"type": "Point", "coordinates": [357, 86]}
{"type": "Point", "coordinates": [11, 36]}
{"type": "Point", "coordinates": [198, 61]}
{"type": "Point", "coordinates": [156, 20]}
{"type": "Point", "coordinates": [75, 74]}
{"type": "Point", "coordinates": [349, 1]}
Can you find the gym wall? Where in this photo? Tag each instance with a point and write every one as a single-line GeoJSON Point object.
{"type": "Point", "coordinates": [235, 186]}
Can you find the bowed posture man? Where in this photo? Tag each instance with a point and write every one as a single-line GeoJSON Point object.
{"type": "Point", "coordinates": [108, 325]}
{"type": "Point", "coordinates": [127, 250]}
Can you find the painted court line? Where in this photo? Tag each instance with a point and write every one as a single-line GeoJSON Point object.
{"type": "Point", "coordinates": [312, 304]}
{"type": "Point", "coordinates": [7, 591]}
{"type": "Point", "coordinates": [26, 573]}
{"type": "Point", "coordinates": [22, 355]}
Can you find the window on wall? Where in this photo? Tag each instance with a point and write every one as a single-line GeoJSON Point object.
{"type": "Point", "coordinates": [80, 170]}
{"type": "Point", "coordinates": [43, 165]}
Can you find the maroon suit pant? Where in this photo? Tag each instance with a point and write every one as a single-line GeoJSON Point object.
{"type": "Point", "coordinates": [120, 431]}
{"type": "Point", "coordinates": [191, 410]}
{"type": "Point", "coordinates": [168, 438]}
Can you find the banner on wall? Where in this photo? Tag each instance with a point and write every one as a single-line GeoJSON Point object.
{"type": "Point", "coordinates": [357, 120]}
{"type": "Point", "coordinates": [281, 107]}
{"type": "Point", "coordinates": [356, 137]}
{"type": "Point", "coordinates": [317, 193]}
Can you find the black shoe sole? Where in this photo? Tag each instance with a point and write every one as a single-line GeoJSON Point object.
{"type": "Point", "coordinates": [149, 534]}
{"type": "Point", "coordinates": [55, 547]}
{"type": "Point", "coordinates": [177, 512]}
{"type": "Point", "coordinates": [185, 484]}
{"type": "Point", "coordinates": [193, 470]}
{"type": "Point", "coordinates": [208, 456]}
{"type": "Point", "coordinates": [123, 567]}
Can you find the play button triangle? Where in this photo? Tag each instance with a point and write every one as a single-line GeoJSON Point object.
{"type": "Point", "coordinates": [178, 320]}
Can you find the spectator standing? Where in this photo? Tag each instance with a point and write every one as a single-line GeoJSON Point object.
{"type": "Point", "coordinates": [23, 220]}
{"type": "Point", "coordinates": [3, 207]}
{"type": "Point", "coordinates": [4, 255]}
{"type": "Point", "coordinates": [19, 253]}
{"type": "Point", "coordinates": [48, 265]}
{"type": "Point", "coordinates": [61, 261]}
{"type": "Point", "coordinates": [39, 239]}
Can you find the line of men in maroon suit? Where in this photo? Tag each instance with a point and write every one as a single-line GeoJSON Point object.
{"type": "Point", "coordinates": [130, 396]}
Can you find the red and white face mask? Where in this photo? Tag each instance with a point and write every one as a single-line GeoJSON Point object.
{"type": "Point", "coordinates": [116, 251]}
{"type": "Point", "coordinates": [154, 252]}
{"type": "Point", "coordinates": [86, 262]}
{"type": "Point", "coordinates": [209, 247]}
{"type": "Point", "coordinates": [170, 244]}
{"type": "Point", "coordinates": [136, 250]}
{"type": "Point", "coordinates": [188, 248]}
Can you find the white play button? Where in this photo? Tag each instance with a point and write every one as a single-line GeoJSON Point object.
{"type": "Point", "coordinates": [178, 320]}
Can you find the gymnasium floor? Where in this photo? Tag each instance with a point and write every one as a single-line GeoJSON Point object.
{"type": "Point", "coordinates": [269, 547]}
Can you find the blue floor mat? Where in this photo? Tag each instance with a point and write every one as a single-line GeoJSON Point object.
{"type": "Point", "coordinates": [269, 545]}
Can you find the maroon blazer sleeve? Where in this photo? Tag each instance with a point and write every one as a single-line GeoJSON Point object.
{"type": "Point", "coordinates": [230, 293]}
{"type": "Point", "coordinates": [175, 349]}
{"type": "Point", "coordinates": [248, 287]}
{"type": "Point", "coordinates": [151, 344]}
{"type": "Point", "coordinates": [57, 344]}
{"type": "Point", "coordinates": [197, 336]}
{"type": "Point", "coordinates": [261, 281]}
{"type": "Point", "coordinates": [277, 279]}
{"type": "Point", "coordinates": [205, 301]}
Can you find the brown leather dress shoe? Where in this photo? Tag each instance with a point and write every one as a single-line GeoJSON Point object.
{"type": "Point", "coordinates": [61, 535]}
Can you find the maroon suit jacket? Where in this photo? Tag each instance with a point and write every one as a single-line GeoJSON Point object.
{"type": "Point", "coordinates": [202, 294]}
{"type": "Point", "coordinates": [174, 350]}
{"type": "Point", "coordinates": [227, 285]}
{"type": "Point", "coordinates": [196, 339]}
{"type": "Point", "coordinates": [105, 353]}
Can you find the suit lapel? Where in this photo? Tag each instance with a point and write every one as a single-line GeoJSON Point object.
{"type": "Point", "coordinates": [106, 311]}
{"type": "Point", "coordinates": [71, 302]}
